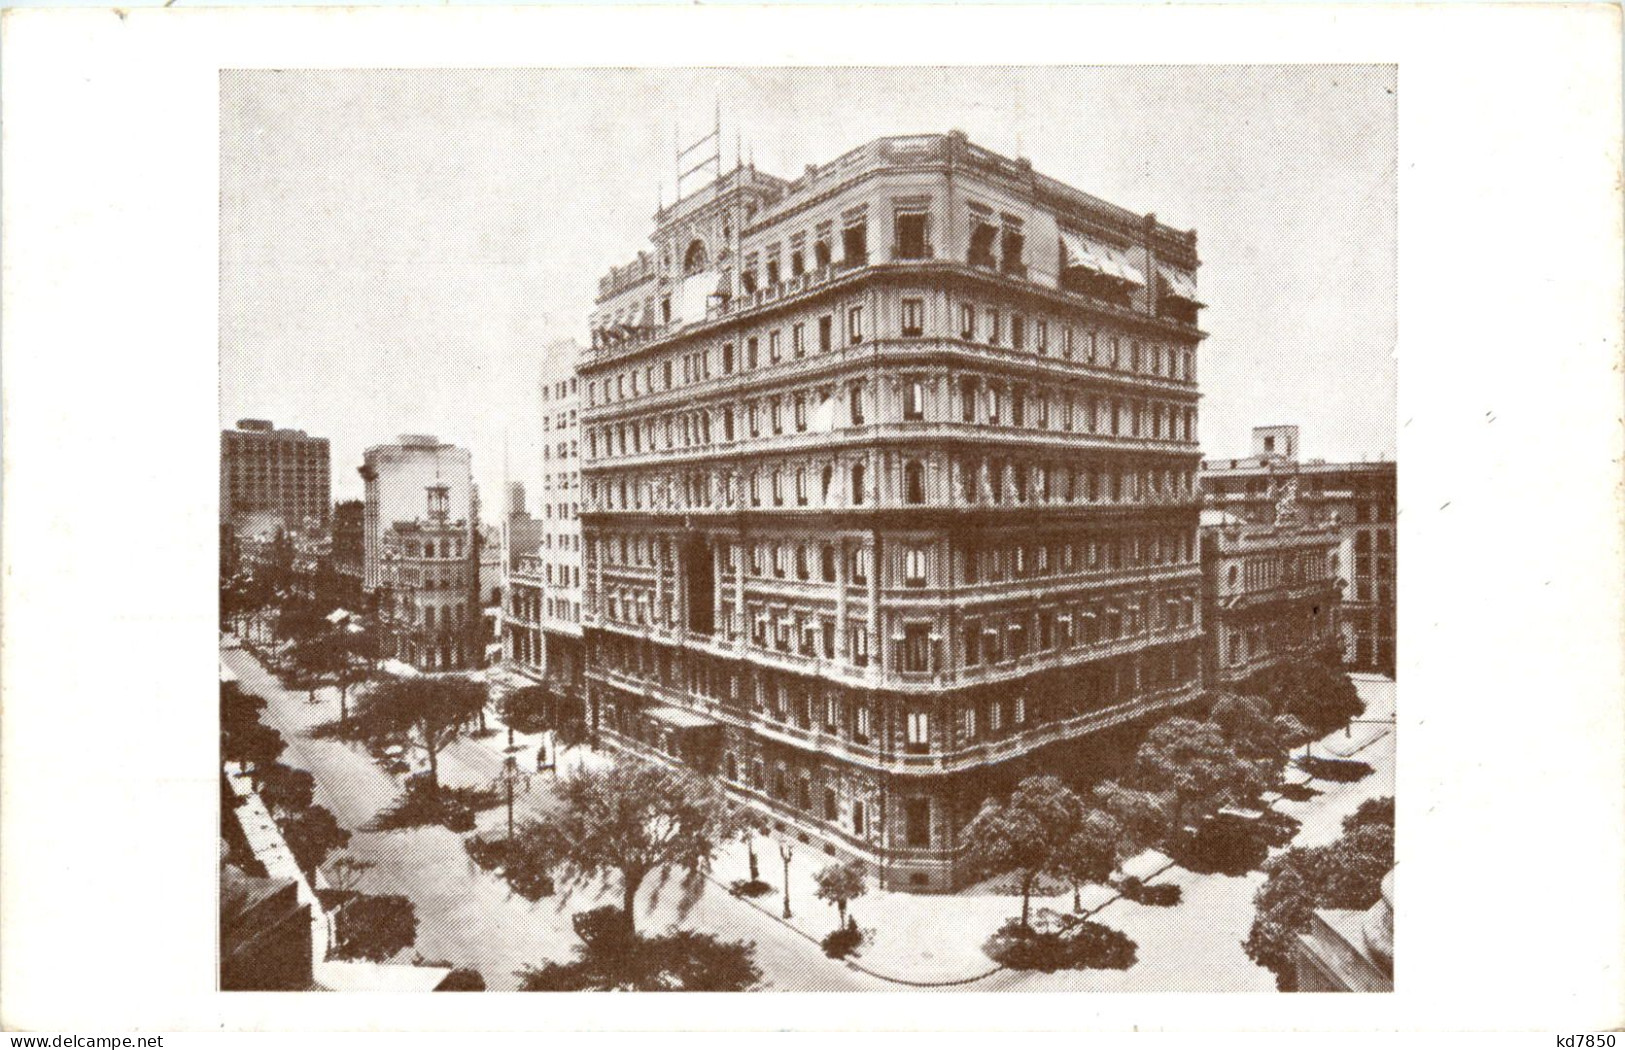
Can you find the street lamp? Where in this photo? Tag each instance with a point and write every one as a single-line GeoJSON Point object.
{"type": "Point", "coordinates": [509, 776]}
{"type": "Point", "coordinates": [787, 849]}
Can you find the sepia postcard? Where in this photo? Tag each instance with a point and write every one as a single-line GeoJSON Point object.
{"type": "Point", "coordinates": [881, 502]}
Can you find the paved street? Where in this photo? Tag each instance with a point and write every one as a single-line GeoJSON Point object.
{"type": "Point", "coordinates": [469, 916]}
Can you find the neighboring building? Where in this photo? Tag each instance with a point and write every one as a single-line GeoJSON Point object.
{"type": "Point", "coordinates": [348, 553]}
{"type": "Point", "coordinates": [421, 552]}
{"type": "Point", "coordinates": [543, 614]}
{"type": "Point", "coordinates": [890, 490]}
{"type": "Point", "coordinates": [1269, 589]}
{"type": "Point", "coordinates": [1349, 951]}
{"type": "Point", "coordinates": [265, 934]}
{"type": "Point", "coordinates": [286, 473]}
{"type": "Point", "coordinates": [396, 479]}
{"type": "Point", "coordinates": [1359, 497]}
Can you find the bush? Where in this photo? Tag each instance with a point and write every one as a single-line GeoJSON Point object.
{"type": "Point", "coordinates": [1336, 770]}
{"type": "Point", "coordinates": [487, 854]}
{"type": "Point", "coordinates": [462, 979]}
{"type": "Point", "coordinates": [1164, 895]}
{"type": "Point", "coordinates": [528, 875]}
{"type": "Point", "coordinates": [1083, 945]}
{"type": "Point", "coordinates": [375, 928]}
{"type": "Point", "coordinates": [603, 929]}
{"type": "Point", "coordinates": [683, 961]}
{"type": "Point", "coordinates": [1278, 829]}
{"type": "Point", "coordinates": [838, 944]}
{"type": "Point", "coordinates": [1373, 811]}
{"type": "Point", "coordinates": [749, 888]}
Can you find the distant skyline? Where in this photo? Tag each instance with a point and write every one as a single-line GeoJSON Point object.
{"type": "Point", "coordinates": [397, 247]}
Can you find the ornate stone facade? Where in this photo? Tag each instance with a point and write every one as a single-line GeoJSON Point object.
{"type": "Point", "coordinates": [889, 489]}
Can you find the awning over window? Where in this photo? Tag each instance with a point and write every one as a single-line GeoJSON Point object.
{"type": "Point", "coordinates": [1086, 253]}
{"type": "Point", "coordinates": [695, 294]}
{"type": "Point", "coordinates": [1178, 284]}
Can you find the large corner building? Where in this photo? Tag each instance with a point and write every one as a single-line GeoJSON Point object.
{"type": "Point", "coordinates": [889, 489]}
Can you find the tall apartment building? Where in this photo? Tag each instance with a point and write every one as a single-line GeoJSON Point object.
{"type": "Point", "coordinates": [890, 489]}
{"type": "Point", "coordinates": [544, 608]}
{"type": "Point", "coordinates": [420, 555]}
{"type": "Point", "coordinates": [1360, 498]}
{"type": "Point", "coordinates": [269, 473]}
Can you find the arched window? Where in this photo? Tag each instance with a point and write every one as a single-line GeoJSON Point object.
{"type": "Point", "coordinates": [914, 482]}
{"type": "Point", "coordinates": [694, 259]}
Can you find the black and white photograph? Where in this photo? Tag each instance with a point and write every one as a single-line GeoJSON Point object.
{"type": "Point", "coordinates": [814, 530]}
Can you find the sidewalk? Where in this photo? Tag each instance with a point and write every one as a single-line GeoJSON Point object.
{"type": "Point", "coordinates": [1192, 947]}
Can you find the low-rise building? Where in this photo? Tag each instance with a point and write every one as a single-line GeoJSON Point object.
{"type": "Point", "coordinates": [1269, 589]}
{"type": "Point", "coordinates": [1360, 498]}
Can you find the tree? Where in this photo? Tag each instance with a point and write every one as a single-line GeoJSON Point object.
{"type": "Point", "coordinates": [244, 739]}
{"type": "Point", "coordinates": [1144, 817]}
{"type": "Point", "coordinates": [632, 819]}
{"type": "Point", "coordinates": [1247, 724]}
{"type": "Point", "coordinates": [359, 647]}
{"type": "Point", "coordinates": [1023, 835]}
{"type": "Point", "coordinates": [1378, 812]}
{"type": "Point", "coordinates": [1315, 689]}
{"type": "Point", "coordinates": [374, 927]}
{"type": "Point", "coordinates": [1192, 761]}
{"type": "Point", "coordinates": [317, 659]}
{"type": "Point", "coordinates": [286, 790]}
{"type": "Point", "coordinates": [751, 824]}
{"type": "Point", "coordinates": [1346, 874]}
{"type": "Point", "coordinates": [422, 713]}
{"type": "Point", "coordinates": [528, 709]}
{"type": "Point", "coordinates": [680, 961]}
{"type": "Point", "coordinates": [1090, 853]}
{"type": "Point", "coordinates": [1293, 733]}
{"type": "Point", "coordinates": [839, 884]}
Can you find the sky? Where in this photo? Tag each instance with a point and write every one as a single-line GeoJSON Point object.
{"type": "Point", "coordinates": [397, 247]}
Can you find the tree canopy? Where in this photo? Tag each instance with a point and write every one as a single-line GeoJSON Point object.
{"type": "Point", "coordinates": [632, 818]}
{"type": "Point", "coordinates": [1345, 874]}
{"type": "Point", "coordinates": [1194, 762]}
{"type": "Point", "coordinates": [425, 713]}
{"type": "Point", "coordinates": [840, 884]}
{"type": "Point", "coordinates": [1089, 854]}
{"type": "Point", "coordinates": [1316, 690]}
{"type": "Point", "coordinates": [1025, 834]}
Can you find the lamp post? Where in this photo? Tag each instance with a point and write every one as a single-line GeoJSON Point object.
{"type": "Point", "coordinates": [787, 849]}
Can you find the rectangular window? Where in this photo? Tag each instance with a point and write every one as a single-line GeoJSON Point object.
{"type": "Point", "coordinates": [862, 724]}
{"type": "Point", "coordinates": [917, 822]}
{"type": "Point", "coordinates": [1018, 332]}
{"type": "Point", "coordinates": [854, 325]}
{"type": "Point", "coordinates": [750, 352]}
{"type": "Point", "coordinates": [967, 722]}
{"type": "Point", "coordinates": [914, 567]}
{"type": "Point", "coordinates": [967, 321]}
{"type": "Point", "coordinates": [773, 347]}
{"type": "Point", "coordinates": [911, 234]}
{"type": "Point", "coordinates": [913, 399]}
{"type": "Point", "coordinates": [913, 317]}
{"type": "Point", "coordinates": [992, 327]}
{"type": "Point", "coordinates": [798, 340]}
{"type": "Point", "coordinates": [967, 399]}
{"type": "Point", "coordinates": [919, 730]}
{"type": "Point", "coordinates": [826, 337]}
{"type": "Point", "coordinates": [1041, 337]}
{"type": "Point", "coordinates": [856, 404]}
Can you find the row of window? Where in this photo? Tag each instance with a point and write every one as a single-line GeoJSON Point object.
{"type": "Point", "coordinates": [978, 401]}
{"type": "Point", "coordinates": [989, 481]}
{"type": "Point", "coordinates": [977, 323]}
{"type": "Point", "coordinates": [1265, 572]}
